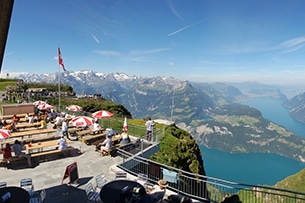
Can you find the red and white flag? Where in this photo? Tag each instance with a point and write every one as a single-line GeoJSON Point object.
{"type": "Point", "coordinates": [60, 60]}
{"type": "Point", "coordinates": [125, 126]}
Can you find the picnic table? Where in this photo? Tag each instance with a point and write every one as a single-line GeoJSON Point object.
{"type": "Point", "coordinates": [89, 138]}
{"type": "Point", "coordinates": [31, 132]}
{"type": "Point", "coordinates": [21, 120]}
{"type": "Point", "coordinates": [22, 115]}
{"type": "Point", "coordinates": [27, 125]}
{"type": "Point", "coordinates": [72, 130]}
{"type": "Point", "coordinates": [40, 146]}
{"type": "Point", "coordinates": [82, 133]}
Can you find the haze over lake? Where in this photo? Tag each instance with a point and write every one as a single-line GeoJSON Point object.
{"type": "Point", "coordinates": [256, 168]}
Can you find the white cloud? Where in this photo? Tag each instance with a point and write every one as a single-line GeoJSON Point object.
{"type": "Point", "coordinates": [292, 45]}
{"type": "Point", "coordinates": [145, 52]}
{"type": "Point", "coordinates": [95, 38]}
{"type": "Point", "coordinates": [107, 52]}
{"type": "Point", "coordinates": [184, 28]}
{"type": "Point", "coordinates": [173, 9]}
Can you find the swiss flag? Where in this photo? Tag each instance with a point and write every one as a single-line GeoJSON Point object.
{"type": "Point", "coordinates": [60, 60]}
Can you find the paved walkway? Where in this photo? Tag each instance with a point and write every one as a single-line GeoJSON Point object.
{"type": "Point", "coordinates": [48, 175]}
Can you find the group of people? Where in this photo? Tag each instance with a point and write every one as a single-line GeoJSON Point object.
{"type": "Point", "coordinates": [107, 143]}
{"type": "Point", "coordinates": [11, 126]}
{"type": "Point", "coordinates": [157, 193]}
{"type": "Point", "coordinates": [30, 118]}
{"type": "Point", "coordinates": [17, 148]}
{"type": "Point", "coordinates": [124, 137]}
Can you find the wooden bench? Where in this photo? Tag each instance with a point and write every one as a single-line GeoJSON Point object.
{"type": "Point", "coordinates": [82, 133]}
{"type": "Point", "coordinates": [30, 133]}
{"type": "Point", "coordinates": [21, 115]}
{"type": "Point", "coordinates": [40, 138]}
{"type": "Point", "coordinates": [4, 162]}
{"type": "Point", "coordinates": [110, 152]}
{"type": "Point", "coordinates": [73, 131]}
{"type": "Point", "coordinates": [53, 152]}
{"type": "Point", "coordinates": [88, 138]}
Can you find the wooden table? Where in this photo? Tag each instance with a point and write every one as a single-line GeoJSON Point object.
{"type": "Point", "coordinates": [22, 115]}
{"type": "Point", "coordinates": [18, 194]}
{"type": "Point", "coordinates": [83, 133]}
{"type": "Point", "coordinates": [72, 130]}
{"type": "Point", "coordinates": [27, 125]}
{"type": "Point", "coordinates": [31, 132]}
{"type": "Point", "coordinates": [39, 146]}
{"type": "Point", "coordinates": [21, 120]}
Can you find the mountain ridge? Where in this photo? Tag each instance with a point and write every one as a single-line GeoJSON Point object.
{"type": "Point", "coordinates": [190, 105]}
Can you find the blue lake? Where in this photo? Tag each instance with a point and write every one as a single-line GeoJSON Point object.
{"type": "Point", "coordinates": [256, 168]}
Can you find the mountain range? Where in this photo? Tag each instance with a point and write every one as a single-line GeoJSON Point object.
{"type": "Point", "coordinates": [206, 110]}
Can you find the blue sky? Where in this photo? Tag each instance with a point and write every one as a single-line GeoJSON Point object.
{"type": "Point", "coordinates": [195, 40]}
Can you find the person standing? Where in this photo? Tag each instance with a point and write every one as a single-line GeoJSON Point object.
{"type": "Point", "coordinates": [149, 128]}
{"type": "Point", "coordinates": [64, 129]}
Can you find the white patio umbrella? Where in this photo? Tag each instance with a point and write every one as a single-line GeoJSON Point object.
{"type": "Point", "coordinates": [102, 114]}
{"type": "Point", "coordinates": [39, 102]}
{"type": "Point", "coordinates": [4, 134]}
{"type": "Point", "coordinates": [82, 121]}
{"type": "Point", "coordinates": [74, 108]}
{"type": "Point", "coordinates": [44, 106]}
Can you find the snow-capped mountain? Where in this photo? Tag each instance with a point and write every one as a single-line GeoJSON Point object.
{"type": "Point", "coordinates": [142, 96]}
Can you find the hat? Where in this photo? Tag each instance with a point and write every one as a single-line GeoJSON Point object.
{"type": "Point", "coordinates": [111, 133]}
{"type": "Point", "coordinates": [162, 183]}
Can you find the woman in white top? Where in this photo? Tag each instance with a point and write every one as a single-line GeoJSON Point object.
{"type": "Point", "coordinates": [62, 143]}
{"type": "Point", "coordinates": [107, 144]}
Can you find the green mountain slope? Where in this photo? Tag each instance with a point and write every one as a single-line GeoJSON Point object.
{"type": "Point", "coordinates": [179, 149]}
{"type": "Point", "coordinates": [294, 182]}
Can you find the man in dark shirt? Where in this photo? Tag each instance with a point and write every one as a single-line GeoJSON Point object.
{"type": "Point", "coordinates": [144, 197]}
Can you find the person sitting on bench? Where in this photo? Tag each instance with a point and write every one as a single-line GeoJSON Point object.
{"type": "Point", "coordinates": [7, 152]}
{"type": "Point", "coordinates": [17, 147]}
{"type": "Point", "coordinates": [124, 137]}
{"type": "Point", "coordinates": [62, 143]}
{"type": "Point", "coordinates": [107, 144]}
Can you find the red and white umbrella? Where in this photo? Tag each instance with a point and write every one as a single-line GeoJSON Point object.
{"type": "Point", "coordinates": [82, 121]}
{"type": "Point", "coordinates": [74, 108]}
{"type": "Point", "coordinates": [102, 114]}
{"type": "Point", "coordinates": [44, 106]}
{"type": "Point", "coordinates": [125, 126]}
{"type": "Point", "coordinates": [4, 134]}
{"type": "Point", "coordinates": [39, 102]}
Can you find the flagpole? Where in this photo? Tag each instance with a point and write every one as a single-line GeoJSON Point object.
{"type": "Point", "coordinates": [60, 63]}
{"type": "Point", "coordinates": [59, 87]}
{"type": "Point", "coordinates": [59, 79]}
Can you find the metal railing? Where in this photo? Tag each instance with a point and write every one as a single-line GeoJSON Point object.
{"type": "Point", "coordinates": [198, 187]}
{"type": "Point", "coordinates": [203, 188]}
